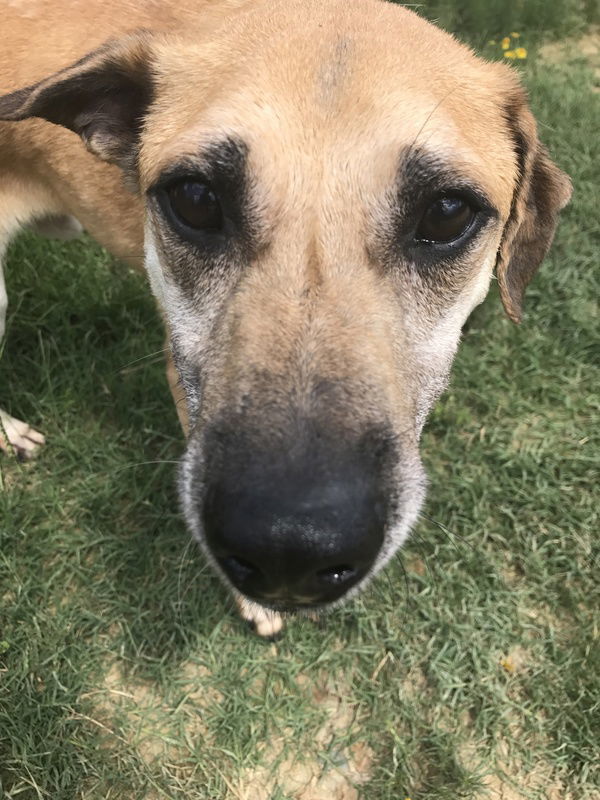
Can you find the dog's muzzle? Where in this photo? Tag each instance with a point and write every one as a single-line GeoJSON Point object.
{"type": "Point", "coordinates": [298, 523]}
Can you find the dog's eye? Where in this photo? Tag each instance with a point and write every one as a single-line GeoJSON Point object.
{"type": "Point", "coordinates": [195, 205]}
{"type": "Point", "coordinates": [445, 220]}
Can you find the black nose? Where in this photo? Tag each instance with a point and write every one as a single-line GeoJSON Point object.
{"type": "Point", "coordinates": [296, 531]}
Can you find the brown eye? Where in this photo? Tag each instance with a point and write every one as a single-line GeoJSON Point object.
{"type": "Point", "coordinates": [196, 205]}
{"type": "Point", "coordinates": [445, 220]}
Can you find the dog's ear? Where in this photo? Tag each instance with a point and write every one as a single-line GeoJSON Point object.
{"type": "Point", "coordinates": [103, 97]}
{"type": "Point", "coordinates": [542, 191]}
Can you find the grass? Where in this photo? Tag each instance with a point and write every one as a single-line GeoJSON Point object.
{"type": "Point", "coordinates": [481, 19]}
{"type": "Point", "coordinates": [471, 666]}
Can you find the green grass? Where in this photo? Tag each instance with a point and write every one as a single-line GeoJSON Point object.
{"type": "Point", "coordinates": [481, 19]}
{"type": "Point", "coordinates": [473, 661]}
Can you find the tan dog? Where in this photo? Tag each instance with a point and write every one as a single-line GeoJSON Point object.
{"type": "Point", "coordinates": [323, 189]}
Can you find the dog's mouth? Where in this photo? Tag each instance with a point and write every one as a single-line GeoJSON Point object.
{"type": "Point", "coordinates": [294, 605]}
{"type": "Point", "coordinates": [293, 609]}
{"type": "Point", "coordinates": [289, 580]}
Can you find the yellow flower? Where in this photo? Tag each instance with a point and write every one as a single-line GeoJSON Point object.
{"type": "Point", "coordinates": [515, 35]}
{"type": "Point", "coordinates": [491, 41]}
{"type": "Point", "coordinates": [510, 54]}
{"type": "Point", "coordinates": [508, 664]}
{"type": "Point", "coordinates": [521, 52]}
{"type": "Point", "coordinates": [505, 43]}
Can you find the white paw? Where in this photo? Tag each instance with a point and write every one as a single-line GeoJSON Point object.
{"type": "Point", "coordinates": [17, 437]}
{"type": "Point", "coordinates": [265, 622]}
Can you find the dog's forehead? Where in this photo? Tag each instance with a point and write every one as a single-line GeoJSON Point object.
{"type": "Point", "coordinates": [356, 83]}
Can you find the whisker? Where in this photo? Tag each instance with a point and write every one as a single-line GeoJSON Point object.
{"type": "Point", "coordinates": [142, 358]}
{"type": "Point", "coordinates": [416, 538]}
{"type": "Point", "coordinates": [180, 567]}
{"type": "Point", "coordinates": [409, 598]}
{"type": "Point", "coordinates": [430, 115]}
{"type": "Point", "coordinates": [452, 535]}
{"type": "Point", "coordinates": [201, 568]}
{"type": "Point", "coordinates": [231, 606]}
{"type": "Point", "coordinates": [144, 464]}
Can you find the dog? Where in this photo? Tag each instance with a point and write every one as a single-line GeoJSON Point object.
{"type": "Point", "coordinates": [323, 191]}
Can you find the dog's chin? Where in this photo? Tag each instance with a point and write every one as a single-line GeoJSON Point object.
{"type": "Point", "coordinates": [292, 609]}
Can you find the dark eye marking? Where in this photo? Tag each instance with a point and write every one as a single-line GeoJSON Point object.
{"type": "Point", "coordinates": [446, 220]}
{"type": "Point", "coordinates": [192, 206]}
{"type": "Point", "coordinates": [438, 211]}
{"type": "Point", "coordinates": [204, 198]}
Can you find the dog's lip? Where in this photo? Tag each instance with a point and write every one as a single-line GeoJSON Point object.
{"type": "Point", "coordinates": [289, 607]}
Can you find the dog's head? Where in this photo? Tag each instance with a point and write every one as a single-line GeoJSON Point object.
{"type": "Point", "coordinates": [329, 187]}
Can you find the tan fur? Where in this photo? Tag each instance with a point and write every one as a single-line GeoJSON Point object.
{"type": "Point", "coordinates": [327, 96]}
{"type": "Point", "coordinates": [43, 36]}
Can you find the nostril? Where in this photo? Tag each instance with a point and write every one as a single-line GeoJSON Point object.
{"type": "Point", "coordinates": [238, 569]}
{"type": "Point", "coordinates": [337, 576]}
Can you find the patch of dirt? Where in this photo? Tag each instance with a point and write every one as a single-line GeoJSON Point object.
{"type": "Point", "coordinates": [586, 46]}
{"type": "Point", "coordinates": [512, 780]}
{"type": "Point", "coordinates": [18, 475]}
{"type": "Point", "coordinates": [415, 565]}
{"type": "Point", "coordinates": [543, 616]}
{"type": "Point", "coordinates": [8, 599]}
{"type": "Point", "coordinates": [329, 768]}
{"type": "Point", "coordinates": [538, 781]}
{"type": "Point", "coordinates": [415, 683]}
{"type": "Point", "coordinates": [309, 779]}
{"type": "Point", "coordinates": [159, 728]}
{"type": "Point", "coordinates": [512, 571]}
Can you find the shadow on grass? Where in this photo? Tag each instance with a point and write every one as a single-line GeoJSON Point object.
{"type": "Point", "coordinates": [76, 358]}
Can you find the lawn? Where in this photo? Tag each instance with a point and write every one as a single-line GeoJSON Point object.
{"type": "Point", "coordinates": [471, 668]}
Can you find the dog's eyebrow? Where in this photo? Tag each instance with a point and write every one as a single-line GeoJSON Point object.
{"type": "Point", "coordinates": [222, 162]}
{"type": "Point", "coordinates": [422, 172]}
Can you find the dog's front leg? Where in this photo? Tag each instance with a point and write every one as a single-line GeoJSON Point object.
{"type": "Point", "coordinates": [15, 436]}
{"type": "Point", "coordinates": [18, 437]}
{"type": "Point", "coordinates": [265, 622]}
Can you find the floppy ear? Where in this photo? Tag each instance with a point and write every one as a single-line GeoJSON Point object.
{"type": "Point", "coordinates": [542, 191]}
{"type": "Point", "coordinates": [103, 97]}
